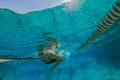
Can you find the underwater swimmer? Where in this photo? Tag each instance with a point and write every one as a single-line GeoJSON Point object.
{"type": "Point", "coordinates": [47, 53]}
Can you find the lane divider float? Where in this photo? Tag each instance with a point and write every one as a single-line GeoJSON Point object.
{"type": "Point", "coordinates": [111, 17]}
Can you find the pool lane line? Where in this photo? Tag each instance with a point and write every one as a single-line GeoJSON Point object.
{"type": "Point", "coordinates": [110, 18]}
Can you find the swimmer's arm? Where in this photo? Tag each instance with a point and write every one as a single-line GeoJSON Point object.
{"type": "Point", "coordinates": [59, 59]}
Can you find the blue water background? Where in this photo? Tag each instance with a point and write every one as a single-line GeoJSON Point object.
{"type": "Point", "coordinates": [72, 25]}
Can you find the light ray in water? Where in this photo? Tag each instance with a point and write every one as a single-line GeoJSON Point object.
{"type": "Point", "coordinates": [74, 4]}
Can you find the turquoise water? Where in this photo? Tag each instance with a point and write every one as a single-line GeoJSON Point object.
{"type": "Point", "coordinates": [72, 25]}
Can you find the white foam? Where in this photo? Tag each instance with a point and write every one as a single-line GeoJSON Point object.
{"type": "Point", "coordinates": [64, 53]}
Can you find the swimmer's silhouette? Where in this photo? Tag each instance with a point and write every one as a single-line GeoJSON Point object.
{"type": "Point", "coordinates": [47, 52]}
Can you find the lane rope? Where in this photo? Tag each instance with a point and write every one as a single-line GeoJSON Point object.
{"type": "Point", "coordinates": [110, 18]}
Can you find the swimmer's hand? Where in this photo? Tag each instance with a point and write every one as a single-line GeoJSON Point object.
{"type": "Point", "coordinates": [54, 66]}
{"type": "Point", "coordinates": [59, 59]}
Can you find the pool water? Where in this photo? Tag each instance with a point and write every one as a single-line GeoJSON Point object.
{"type": "Point", "coordinates": [72, 23]}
